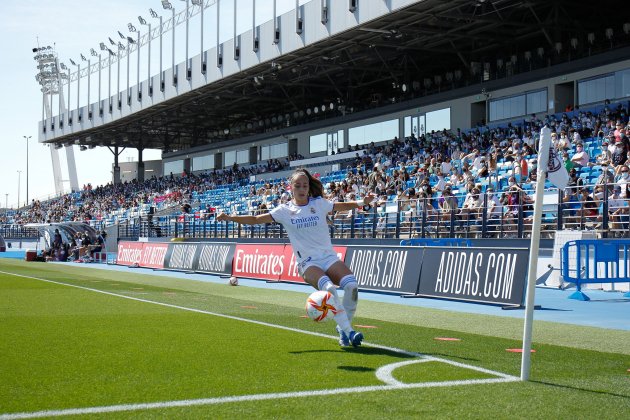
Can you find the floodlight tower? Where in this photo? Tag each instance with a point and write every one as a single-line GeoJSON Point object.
{"type": "Point", "coordinates": [51, 79]}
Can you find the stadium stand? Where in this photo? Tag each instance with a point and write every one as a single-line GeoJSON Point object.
{"type": "Point", "coordinates": [464, 183]}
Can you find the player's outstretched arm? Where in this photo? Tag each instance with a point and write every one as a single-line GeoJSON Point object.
{"type": "Point", "coordinates": [349, 205]}
{"type": "Point", "coordinates": [246, 220]}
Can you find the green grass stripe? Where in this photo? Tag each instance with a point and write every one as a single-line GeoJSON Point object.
{"type": "Point", "coordinates": [66, 347]}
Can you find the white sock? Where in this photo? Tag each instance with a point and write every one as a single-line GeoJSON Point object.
{"type": "Point", "coordinates": [350, 295]}
{"type": "Point", "coordinates": [341, 318]}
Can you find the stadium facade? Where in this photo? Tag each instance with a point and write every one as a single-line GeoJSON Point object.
{"type": "Point", "coordinates": [331, 74]}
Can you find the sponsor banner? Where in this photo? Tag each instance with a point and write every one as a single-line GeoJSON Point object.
{"type": "Point", "coordinates": [260, 261]}
{"type": "Point", "coordinates": [475, 274]}
{"type": "Point", "coordinates": [386, 268]}
{"type": "Point", "coordinates": [129, 253]}
{"type": "Point", "coordinates": [153, 254]}
{"type": "Point", "coordinates": [291, 273]}
{"type": "Point", "coordinates": [215, 258]}
{"type": "Point", "coordinates": [181, 256]}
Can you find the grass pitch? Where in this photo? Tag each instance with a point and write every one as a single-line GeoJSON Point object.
{"type": "Point", "coordinates": [66, 348]}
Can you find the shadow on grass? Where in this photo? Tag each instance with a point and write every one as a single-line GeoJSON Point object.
{"type": "Point", "coordinates": [451, 356]}
{"type": "Point", "coordinates": [356, 368]}
{"type": "Point", "coordinates": [592, 391]}
{"type": "Point", "coordinates": [368, 351]}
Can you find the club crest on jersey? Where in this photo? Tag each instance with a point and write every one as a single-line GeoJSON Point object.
{"type": "Point", "coordinates": [313, 210]}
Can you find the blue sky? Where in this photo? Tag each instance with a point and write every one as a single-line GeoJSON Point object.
{"type": "Point", "coordinates": [74, 27]}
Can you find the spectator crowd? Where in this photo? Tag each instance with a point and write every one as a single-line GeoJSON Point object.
{"type": "Point", "coordinates": [420, 173]}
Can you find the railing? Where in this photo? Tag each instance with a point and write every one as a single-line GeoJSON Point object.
{"type": "Point", "coordinates": [13, 232]}
{"type": "Point", "coordinates": [422, 218]}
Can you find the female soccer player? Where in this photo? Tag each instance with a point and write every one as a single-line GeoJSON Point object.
{"type": "Point", "coordinates": [304, 218]}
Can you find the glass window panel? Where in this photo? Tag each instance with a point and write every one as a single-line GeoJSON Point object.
{"type": "Point", "coordinates": [422, 126]}
{"type": "Point", "coordinates": [438, 120]}
{"type": "Point", "coordinates": [340, 140]}
{"type": "Point", "coordinates": [376, 133]}
{"type": "Point", "coordinates": [242, 157]}
{"type": "Point", "coordinates": [498, 110]}
{"type": "Point", "coordinates": [622, 79]}
{"type": "Point", "coordinates": [597, 90]}
{"type": "Point", "coordinates": [229, 158]}
{"type": "Point", "coordinates": [610, 87]}
{"type": "Point", "coordinates": [278, 150]}
{"type": "Point", "coordinates": [175, 167]}
{"type": "Point", "coordinates": [407, 127]}
{"type": "Point", "coordinates": [200, 163]}
{"type": "Point", "coordinates": [317, 143]}
{"type": "Point", "coordinates": [536, 102]}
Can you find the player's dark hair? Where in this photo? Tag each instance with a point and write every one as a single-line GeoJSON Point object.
{"type": "Point", "coordinates": [315, 187]}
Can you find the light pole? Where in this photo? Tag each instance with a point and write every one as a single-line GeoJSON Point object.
{"type": "Point", "coordinates": [168, 6]}
{"type": "Point", "coordinates": [89, 77]}
{"type": "Point", "coordinates": [201, 7]}
{"type": "Point", "coordinates": [156, 16]}
{"type": "Point", "coordinates": [133, 29]}
{"type": "Point", "coordinates": [19, 175]}
{"type": "Point", "coordinates": [144, 22]}
{"type": "Point", "coordinates": [78, 82]}
{"type": "Point", "coordinates": [95, 54]}
{"type": "Point", "coordinates": [187, 14]}
{"type": "Point", "coordinates": [27, 139]}
{"type": "Point", "coordinates": [121, 48]}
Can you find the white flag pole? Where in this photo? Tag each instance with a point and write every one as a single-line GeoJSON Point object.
{"type": "Point", "coordinates": [543, 158]}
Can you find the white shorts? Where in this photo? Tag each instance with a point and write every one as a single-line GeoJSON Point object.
{"type": "Point", "coordinates": [324, 262]}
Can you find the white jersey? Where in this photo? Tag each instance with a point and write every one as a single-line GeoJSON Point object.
{"type": "Point", "coordinates": [306, 226]}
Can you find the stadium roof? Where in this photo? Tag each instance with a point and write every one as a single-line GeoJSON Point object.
{"type": "Point", "coordinates": [429, 47]}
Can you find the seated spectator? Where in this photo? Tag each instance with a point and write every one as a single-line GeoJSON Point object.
{"type": "Point", "coordinates": [623, 182]}
{"type": "Point", "coordinates": [448, 206]}
{"type": "Point", "coordinates": [618, 213]}
{"type": "Point", "coordinates": [571, 206]}
{"type": "Point", "coordinates": [606, 178]}
{"type": "Point", "coordinates": [57, 242]}
{"type": "Point", "coordinates": [620, 155]}
{"type": "Point", "coordinates": [580, 157]}
{"type": "Point", "coordinates": [471, 210]}
{"type": "Point", "coordinates": [574, 180]}
{"type": "Point", "coordinates": [494, 209]}
{"type": "Point", "coordinates": [589, 211]}
{"type": "Point", "coordinates": [563, 143]}
{"type": "Point", "coordinates": [99, 245]}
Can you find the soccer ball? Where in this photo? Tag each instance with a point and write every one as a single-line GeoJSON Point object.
{"type": "Point", "coordinates": [320, 306]}
{"type": "Point", "coordinates": [233, 281]}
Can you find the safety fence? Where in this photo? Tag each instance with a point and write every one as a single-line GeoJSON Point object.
{"type": "Point", "coordinates": [510, 215]}
{"type": "Point", "coordinates": [592, 261]}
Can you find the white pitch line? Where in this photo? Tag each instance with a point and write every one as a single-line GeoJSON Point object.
{"type": "Point", "coordinates": [266, 324]}
{"type": "Point", "coordinates": [243, 398]}
{"type": "Point", "coordinates": [384, 373]}
{"type": "Point", "coordinates": [501, 377]}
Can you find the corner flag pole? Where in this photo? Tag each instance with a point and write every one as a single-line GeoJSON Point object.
{"type": "Point", "coordinates": [543, 159]}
